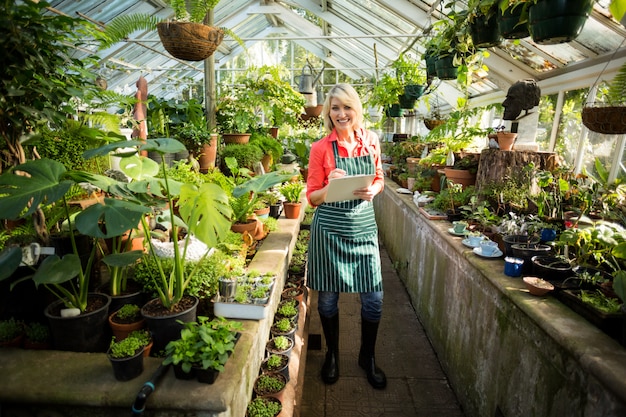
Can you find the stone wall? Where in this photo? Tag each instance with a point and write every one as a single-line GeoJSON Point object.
{"type": "Point", "coordinates": [506, 353]}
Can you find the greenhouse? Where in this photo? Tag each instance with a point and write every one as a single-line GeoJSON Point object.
{"type": "Point", "coordinates": [203, 200]}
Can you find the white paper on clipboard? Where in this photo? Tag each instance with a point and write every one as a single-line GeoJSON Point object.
{"type": "Point", "coordinates": [342, 189]}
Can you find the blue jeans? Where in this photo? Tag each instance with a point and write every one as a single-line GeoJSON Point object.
{"type": "Point", "coordinates": [371, 304]}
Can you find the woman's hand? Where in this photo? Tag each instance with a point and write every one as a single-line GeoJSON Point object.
{"type": "Point", "coordinates": [368, 193]}
{"type": "Point", "coordinates": [336, 173]}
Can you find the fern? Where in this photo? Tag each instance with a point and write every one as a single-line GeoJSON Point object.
{"type": "Point", "coordinates": [617, 89]}
{"type": "Point", "coordinates": [122, 26]}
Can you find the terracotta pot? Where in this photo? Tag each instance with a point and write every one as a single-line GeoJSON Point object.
{"type": "Point", "coordinates": [208, 154]}
{"type": "Point", "coordinates": [122, 330]}
{"type": "Point", "coordinates": [292, 210]}
{"type": "Point", "coordinates": [506, 140]}
{"type": "Point", "coordinates": [460, 176]}
{"type": "Point", "coordinates": [236, 137]}
{"type": "Point", "coordinates": [249, 227]}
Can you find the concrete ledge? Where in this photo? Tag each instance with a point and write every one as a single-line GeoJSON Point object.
{"type": "Point", "coordinates": [506, 353]}
{"type": "Point", "coordinates": [82, 384]}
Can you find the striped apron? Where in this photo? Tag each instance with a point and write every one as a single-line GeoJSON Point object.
{"type": "Point", "coordinates": [343, 250]}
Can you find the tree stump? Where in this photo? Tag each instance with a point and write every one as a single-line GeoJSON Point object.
{"type": "Point", "coordinates": [496, 165]}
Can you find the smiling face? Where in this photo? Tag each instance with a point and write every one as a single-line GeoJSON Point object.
{"type": "Point", "coordinates": [343, 116]}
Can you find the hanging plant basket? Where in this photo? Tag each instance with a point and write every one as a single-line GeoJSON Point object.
{"type": "Point", "coordinates": [610, 120]}
{"type": "Point", "coordinates": [433, 123]}
{"type": "Point", "coordinates": [557, 21]}
{"type": "Point", "coordinates": [189, 41]}
{"type": "Point", "coordinates": [485, 31]}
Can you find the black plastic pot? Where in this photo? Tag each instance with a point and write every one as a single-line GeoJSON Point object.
{"type": "Point", "coordinates": [551, 268]}
{"type": "Point", "coordinates": [165, 328]}
{"type": "Point", "coordinates": [126, 369]}
{"type": "Point", "coordinates": [509, 23]}
{"type": "Point", "coordinates": [485, 31]}
{"type": "Point", "coordinates": [87, 332]}
{"type": "Point", "coordinates": [527, 252]}
{"type": "Point", "coordinates": [557, 21]}
{"type": "Point", "coordinates": [446, 70]}
{"type": "Point", "coordinates": [510, 240]}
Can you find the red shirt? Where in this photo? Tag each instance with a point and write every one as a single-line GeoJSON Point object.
{"type": "Point", "coordinates": [322, 159]}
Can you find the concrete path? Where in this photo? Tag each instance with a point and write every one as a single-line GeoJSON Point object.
{"type": "Point", "coordinates": [416, 384]}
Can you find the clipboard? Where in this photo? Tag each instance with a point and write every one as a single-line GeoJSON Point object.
{"type": "Point", "coordinates": [341, 189]}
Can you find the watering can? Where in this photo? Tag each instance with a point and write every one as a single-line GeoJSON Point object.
{"type": "Point", "coordinates": [308, 81]}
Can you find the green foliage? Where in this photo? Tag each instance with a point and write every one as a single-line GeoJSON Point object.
{"type": "Point", "coordinates": [600, 301]}
{"type": "Point", "coordinates": [66, 145]}
{"type": "Point", "coordinates": [129, 312]}
{"type": "Point", "coordinates": [203, 343]}
{"type": "Point", "coordinates": [616, 93]}
{"type": "Point", "coordinates": [270, 383]}
{"type": "Point", "coordinates": [287, 310]}
{"type": "Point", "coordinates": [267, 144]}
{"type": "Point", "coordinates": [284, 324]}
{"type": "Point", "coordinates": [245, 154]}
{"type": "Point", "coordinates": [264, 407]}
{"type": "Point", "coordinates": [10, 329]}
{"type": "Point", "coordinates": [37, 332]}
{"type": "Point", "coordinates": [49, 182]}
{"type": "Point", "coordinates": [281, 342]}
{"type": "Point", "coordinates": [274, 362]}
{"type": "Point", "coordinates": [125, 348]}
{"type": "Point", "coordinates": [292, 191]}
{"type": "Point", "coordinates": [192, 11]}
{"type": "Point", "coordinates": [192, 136]}
{"type": "Point", "coordinates": [39, 79]}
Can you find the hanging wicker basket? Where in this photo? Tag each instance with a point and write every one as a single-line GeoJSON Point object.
{"type": "Point", "coordinates": [433, 123]}
{"type": "Point", "coordinates": [610, 120]}
{"type": "Point", "coordinates": [189, 41]}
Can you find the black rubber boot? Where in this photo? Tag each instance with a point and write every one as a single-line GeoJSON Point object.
{"type": "Point", "coordinates": [375, 376]}
{"type": "Point", "coordinates": [330, 369]}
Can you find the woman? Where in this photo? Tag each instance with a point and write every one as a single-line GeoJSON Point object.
{"type": "Point", "coordinates": [343, 251]}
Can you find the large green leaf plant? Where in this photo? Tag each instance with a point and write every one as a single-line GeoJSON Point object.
{"type": "Point", "coordinates": [33, 184]}
{"type": "Point", "coordinates": [204, 210]}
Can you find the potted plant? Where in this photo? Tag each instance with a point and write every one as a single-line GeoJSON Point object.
{"type": "Point", "coordinates": [186, 37]}
{"type": "Point", "coordinates": [276, 362]}
{"type": "Point", "coordinates": [279, 344]}
{"type": "Point", "coordinates": [204, 214]}
{"type": "Point", "coordinates": [126, 320]}
{"type": "Point", "coordinates": [49, 182]}
{"type": "Point", "coordinates": [202, 348]}
{"type": "Point", "coordinates": [126, 357]}
{"type": "Point", "coordinates": [36, 336]}
{"type": "Point", "coordinates": [280, 103]}
{"type": "Point", "coordinates": [269, 384]}
{"type": "Point", "coordinates": [292, 191]}
{"type": "Point", "coordinates": [386, 93]}
{"type": "Point", "coordinates": [288, 309]}
{"type": "Point", "coordinates": [237, 113]}
{"type": "Point", "coordinates": [552, 22]}
{"type": "Point", "coordinates": [283, 326]}
{"type": "Point", "coordinates": [11, 332]}
{"type": "Point", "coordinates": [483, 23]}
{"type": "Point", "coordinates": [604, 115]}
{"type": "Point", "coordinates": [264, 407]}
{"type": "Point", "coordinates": [512, 17]}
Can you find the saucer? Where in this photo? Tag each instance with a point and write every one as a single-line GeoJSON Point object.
{"type": "Point", "coordinates": [479, 251]}
{"type": "Point", "coordinates": [467, 243]}
{"type": "Point", "coordinates": [452, 232]}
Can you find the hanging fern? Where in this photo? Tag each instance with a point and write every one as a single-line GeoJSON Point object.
{"type": "Point", "coordinates": [122, 26]}
{"type": "Point", "coordinates": [617, 89]}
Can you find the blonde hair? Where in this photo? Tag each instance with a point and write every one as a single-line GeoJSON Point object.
{"type": "Point", "coordinates": [349, 97]}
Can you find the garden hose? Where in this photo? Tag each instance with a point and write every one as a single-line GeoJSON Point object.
{"type": "Point", "coordinates": [148, 388]}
